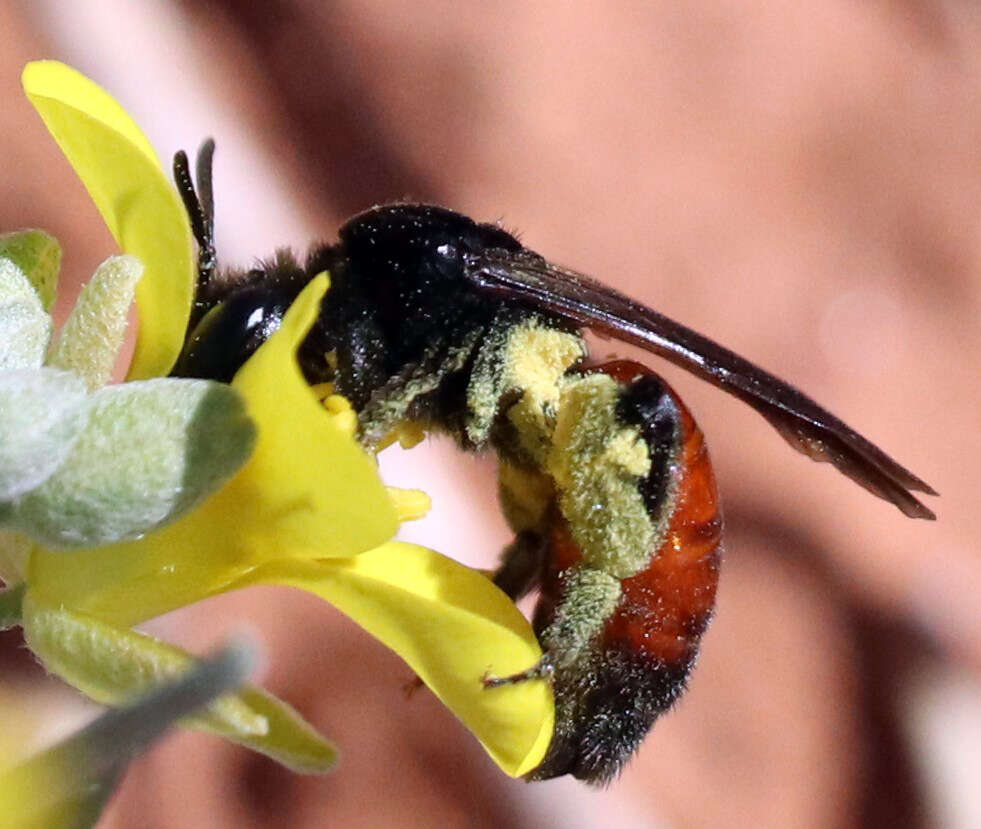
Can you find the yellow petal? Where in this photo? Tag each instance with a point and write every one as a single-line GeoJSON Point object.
{"type": "Point", "coordinates": [309, 462]}
{"type": "Point", "coordinates": [308, 490]}
{"type": "Point", "coordinates": [119, 168]}
{"type": "Point", "coordinates": [114, 666]}
{"type": "Point", "coordinates": [452, 626]}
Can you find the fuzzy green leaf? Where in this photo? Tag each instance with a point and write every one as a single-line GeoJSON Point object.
{"type": "Point", "coordinates": [25, 328]}
{"type": "Point", "coordinates": [91, 337]}
{"type": "Point", "coordinates": [68, 784]}
{"type": "Point", "coordinates": [38, 255]}
{"type": "Point", "coordinates": [11, 606]}
{"type": "Point", "coordinates": [15, 552]}
{"type": "Point", "coordinates": [151, 451]}
{"type": "Point", "coordinates": [42, 415]}
{"type": "Point", "coordinates": [289, 739]}
{"type": "Point", "coordinates": [113, 665]}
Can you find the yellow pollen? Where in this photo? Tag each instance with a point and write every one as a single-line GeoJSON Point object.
{"type": "Point", "coordinates": [406, 433]}
{"type": "Point", "coordinates": [341, 413]}
{"type": "Point", "coordinates": [322, 390]}
{"type": "Point", "coordinates": [409, 435]}
{"type": "Point", "coordinates": [410, 504]}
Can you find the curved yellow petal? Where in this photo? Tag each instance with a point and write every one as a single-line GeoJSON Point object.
{"type": "Point", "coordinates": [119, 168]}
{"type": "Point", "coordinates": [452, 626]}
{"type": "Point", "coordinates": [308, 490]}
{"type": "Point", "coordinates": [307, 461]}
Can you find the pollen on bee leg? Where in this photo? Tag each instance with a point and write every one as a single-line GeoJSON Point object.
{"type": "Point", "coordinates": [410, 504]}
{"type": "Point", "coordinates": [409, 435]}
{"type": "Point", "coordinates": [406, 433]}
{"type": "Point", "coordinates": [322, 390]}
{"type": "Point", "coordinates": [341, 413]}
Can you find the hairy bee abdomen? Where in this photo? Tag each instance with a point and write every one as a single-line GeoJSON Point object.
{"type": "Point", "coordinates": [666, 607]}
{"type": "Point", "coordinates": [637, 663]}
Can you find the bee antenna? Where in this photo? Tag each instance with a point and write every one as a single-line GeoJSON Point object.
{"type": "Point", "coordinates": [202, 177]}
{"type": "Point", "coordinates": [200, 205]}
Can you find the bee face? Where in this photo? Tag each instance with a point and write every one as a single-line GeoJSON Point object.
{"type": "Point", "coordinates": [455, 327]}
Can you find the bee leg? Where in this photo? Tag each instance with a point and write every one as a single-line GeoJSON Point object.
{"type": "Point", "coordinates": [521, 569]}
{"type": "Point", "coordinates": [588, 598]}
{"type": "Point", "coordinates": [521, 564]}
{"type": "Point", "coordinates": [543, 669]}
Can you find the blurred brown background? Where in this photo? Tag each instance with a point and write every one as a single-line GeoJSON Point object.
{"type": "Point", "coordinates": [799, 181]}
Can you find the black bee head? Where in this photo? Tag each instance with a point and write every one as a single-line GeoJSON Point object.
{"type": "Point", "coordinates": [226, 331]}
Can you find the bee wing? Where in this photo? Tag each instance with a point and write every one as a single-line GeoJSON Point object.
{"type": "Point", "coordinates": [804, 424]}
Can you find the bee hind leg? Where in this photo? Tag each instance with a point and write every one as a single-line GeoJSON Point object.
{"type": "Point", "coordinates": [543, 669]}
{"type": "Point", "coordinates": [521, 564]}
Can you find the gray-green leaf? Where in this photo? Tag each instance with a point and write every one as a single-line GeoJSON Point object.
{"type": "Point", "coordinates": [42, 413]}
{"type": "Point", "coordinates": [66, 786]}
{"type": "Point", "coordinates": [38, 255]}
{"type": "Point", "coordinates": [89, 341]}
{"type": "Point", "coordinates": [25, 328]}
{"type": "Point", "coordinates": [151, 451]}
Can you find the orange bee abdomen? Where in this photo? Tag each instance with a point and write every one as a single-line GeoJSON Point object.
{"type": "Point", "coordinates": [650, 610]}
{"type": "Point", "coordinates": [665, 608]}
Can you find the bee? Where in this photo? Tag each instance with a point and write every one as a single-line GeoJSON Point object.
{"type": "Point", "coordinates": [454, 327]}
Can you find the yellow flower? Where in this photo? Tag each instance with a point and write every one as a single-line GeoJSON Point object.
{"type": "Point", "coordinates": [307, 510]}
